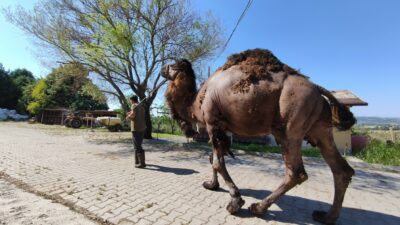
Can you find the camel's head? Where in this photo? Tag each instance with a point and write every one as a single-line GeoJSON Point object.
{"type": "Point", "coordinates": [181, 67]}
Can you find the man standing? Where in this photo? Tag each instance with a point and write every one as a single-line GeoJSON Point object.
{"type": "Point", "coordinates": [138, 126]}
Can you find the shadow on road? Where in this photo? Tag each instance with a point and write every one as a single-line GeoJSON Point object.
{"type": "Point", "coordinates": [177, 171]}
{"type": "Point", "coordinates": [294, 208]}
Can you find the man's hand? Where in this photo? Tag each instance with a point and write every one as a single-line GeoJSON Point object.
{"type": "Point", "coordinates": [130, 115]}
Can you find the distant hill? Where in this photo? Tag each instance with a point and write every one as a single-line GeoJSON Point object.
{"type": "Point", "coordinates": [373, 121]}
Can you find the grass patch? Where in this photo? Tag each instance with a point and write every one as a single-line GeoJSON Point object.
{"type": "Point", "coordinates": [380, 152]}
{"type": "Point", "coordinates": [165, 135]}
{"type": "Point", "coordinates": [311, 152]}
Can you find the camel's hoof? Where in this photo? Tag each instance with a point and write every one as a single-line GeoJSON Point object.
{"type": "Point", "coordinates": [211, 185]}
{"type": "Point", "coordinates": [234, 205]}
{"type": "Point", "coordinates": [256, 209]}
{"type": "Point", "coordinates": [321, 216]}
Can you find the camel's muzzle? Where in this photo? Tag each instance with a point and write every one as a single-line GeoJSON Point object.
{"type": "Point", "coordinates": [165, 72]}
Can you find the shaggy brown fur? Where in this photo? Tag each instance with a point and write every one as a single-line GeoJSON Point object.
{"type": "Point", "coordinates": [257, 64]}
{"type": "Point", "coordinates": [185, 97]}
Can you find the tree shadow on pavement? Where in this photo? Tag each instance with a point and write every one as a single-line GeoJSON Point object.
{"type": "Point", "coordinates": [298, 210]}
{"type": "Point", "coordinates": [123, 153]}
{"type": "Point", "coordinates": [177, 171]}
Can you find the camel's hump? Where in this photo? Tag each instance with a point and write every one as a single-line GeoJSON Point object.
{"type": "Point", "coordinates": [256, 64]}
{"type": "Point", "coordinates": [262, 57]}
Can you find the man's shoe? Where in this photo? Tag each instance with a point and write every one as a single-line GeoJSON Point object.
{"type": "Point", "coordinates": [136, 159]}
{"type": "Point", "coordinates": [142, 163]}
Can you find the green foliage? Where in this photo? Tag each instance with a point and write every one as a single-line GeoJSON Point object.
{"type": "Point", "coordinates": [13, 88]}
{"type": "Point", "coordinates": [83, 101]}
{"type": "Point", "coordinates": [9, 91]}
{"type": "Point", "coordinates": [311, 152]}
{"type": "Point", "coordinates": [92, 90]}
{"type": "Point", "coordinates": [22, 77]}
{"type": "Point", "coordinates": [67, 87]}
{"type": "Point", "coordinates": [165, 124]}
{"type": "Point", "coordinates": [39, 98]}
{"type": "Point", "coordinates": [164, 135]}
{"type": "Point", "coordinates": [24, 80]}
{"type": "Point", "coordinates": [25, 98]}
{"type": "Point", "coordinates": [380, 152]}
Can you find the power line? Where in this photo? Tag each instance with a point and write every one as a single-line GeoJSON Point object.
{"type": "Point", "coordinates": [237, 24]}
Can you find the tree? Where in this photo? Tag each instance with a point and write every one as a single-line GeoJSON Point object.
{"type": "Point", "coordinates": [164, 122]}
{"type": "Point", "coordinates": [124, 42]}
{"type": "Point", "coordinates": [24, 80]}
{"type": "Point", "coordinates": [39, 98]}
{"type": "Point", "coordinates": [67, 87]}
{"type": "Point", "coordinates": [22, 77]}
{"type": "Point", "coordinates": [9, 91]}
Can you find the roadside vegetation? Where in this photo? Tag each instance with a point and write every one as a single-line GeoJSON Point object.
{"type": "Point", "coordinates": [380, 152]}
{"type": "Point", "coordinates": [308, 152]}
{"type": "Point", "coordinates": [377, 151]}
{"type": "Point", "coordinates": [163, 123]}
{"type": "Point", "coordinates": [165, 135]}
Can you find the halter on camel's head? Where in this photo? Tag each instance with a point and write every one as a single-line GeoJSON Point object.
{"type": "Point", "coordinates": [180, 67]}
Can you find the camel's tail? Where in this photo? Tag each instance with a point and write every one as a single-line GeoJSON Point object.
{"type": "Point", "coordinates": [342, 118]}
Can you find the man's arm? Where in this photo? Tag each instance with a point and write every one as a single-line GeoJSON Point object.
{"type": "Point", "coordinates": [130, 115]}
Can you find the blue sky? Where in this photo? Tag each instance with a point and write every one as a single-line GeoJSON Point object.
{"type": "Point", "coordinates": [341, 44]}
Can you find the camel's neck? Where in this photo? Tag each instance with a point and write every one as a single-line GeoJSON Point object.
{"type": "Point", "coordinates": [180, 95]}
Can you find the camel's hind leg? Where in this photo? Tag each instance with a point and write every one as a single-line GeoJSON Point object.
{"type": "Point", "coordinates": [321, 135]}
{"type": "Point", "coordinates": [294, 175]}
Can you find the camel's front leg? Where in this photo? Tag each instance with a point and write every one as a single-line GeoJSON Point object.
{"type": "Point", "coordinates": [213, 183]}
{"type": "Point", "coordinates": [221, 144]}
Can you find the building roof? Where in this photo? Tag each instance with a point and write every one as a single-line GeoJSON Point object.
{"type": "Point", "coordinates": [347, 98]}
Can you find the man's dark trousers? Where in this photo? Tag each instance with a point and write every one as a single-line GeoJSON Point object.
{"type": "Point", "coordinates": [137, 137]}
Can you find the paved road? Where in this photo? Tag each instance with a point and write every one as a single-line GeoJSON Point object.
{"type": "Point", "coordinates": [21, 208]}
{"type": "Point", "coordinates": [93, 172]}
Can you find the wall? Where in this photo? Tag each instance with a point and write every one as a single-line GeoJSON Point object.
{"type": "Point", "coordinates": [342, 140]}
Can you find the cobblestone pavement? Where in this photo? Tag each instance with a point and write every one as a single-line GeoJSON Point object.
{"type": "Point", "coordinates": [21, 208]}
{"type": "Point", "coordinates": [94, 171]}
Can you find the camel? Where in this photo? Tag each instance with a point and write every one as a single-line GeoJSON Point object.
{"type": "Point", "coordinates": [253, 94]}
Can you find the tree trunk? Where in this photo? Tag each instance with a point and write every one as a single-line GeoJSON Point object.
{"type": "Point", "coordinates": [149, 128]}
{"type": "Point", "coordinates": [147, 105]}
{"type": "Point", "coordinates": [171, 122]}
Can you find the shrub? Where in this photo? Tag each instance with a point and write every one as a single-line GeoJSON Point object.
{"type": "Point", "coordinates": [380, 152]}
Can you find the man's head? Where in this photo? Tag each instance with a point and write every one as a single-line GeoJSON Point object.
{"type": "Point", "coordinates": [134, 99]}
